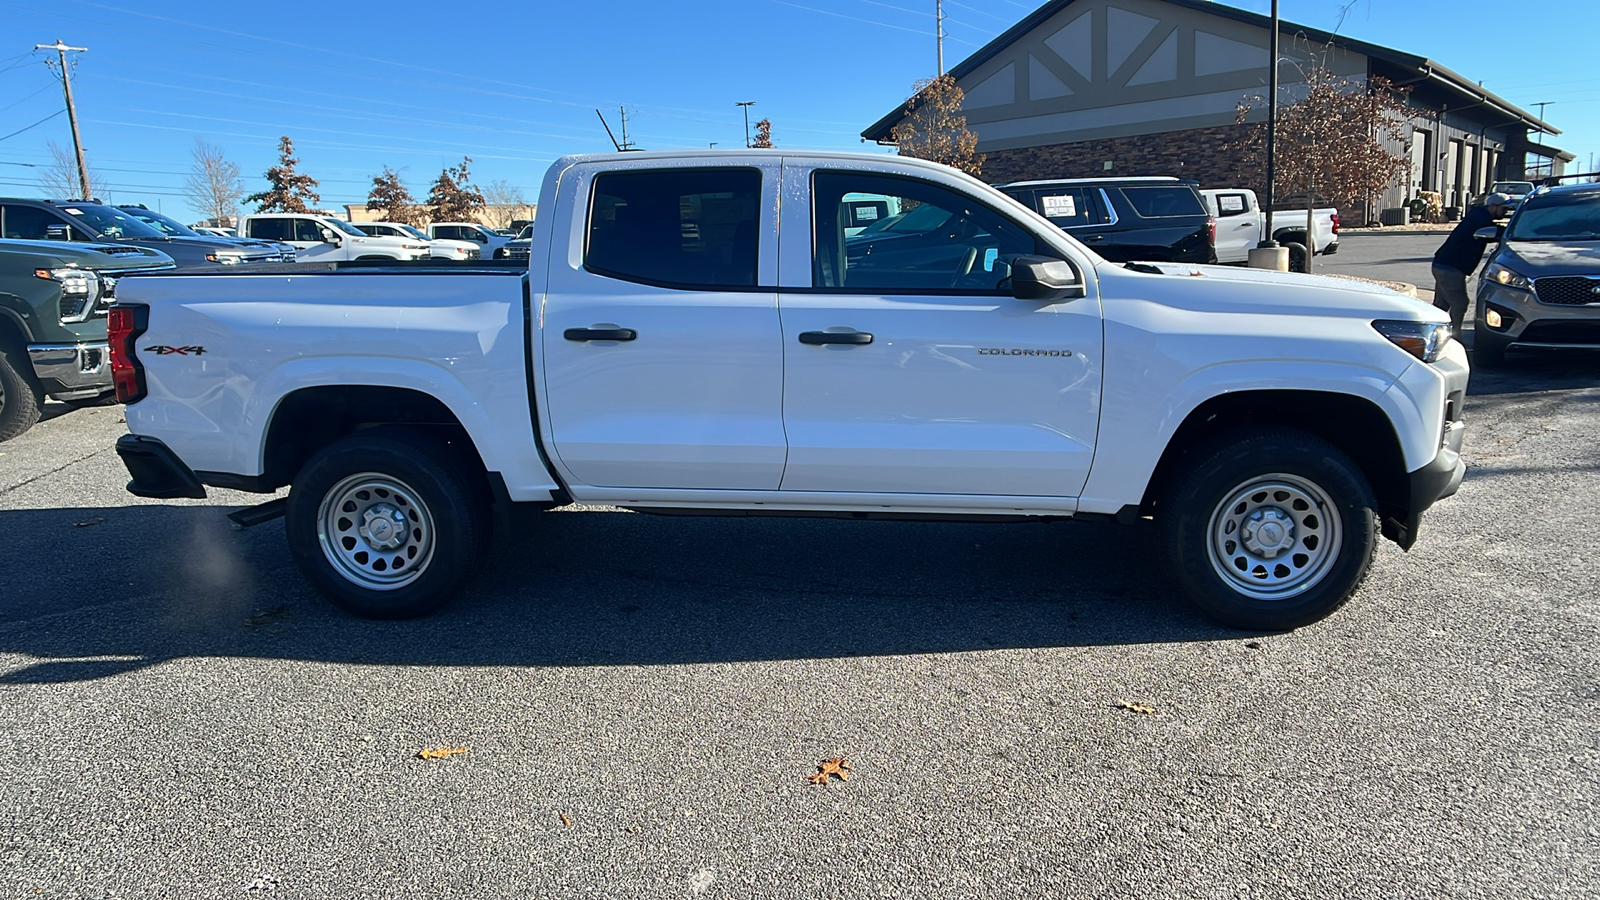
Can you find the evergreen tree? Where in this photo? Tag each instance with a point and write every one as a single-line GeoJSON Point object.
{"type": "Point", "coordinates": [289, 190]}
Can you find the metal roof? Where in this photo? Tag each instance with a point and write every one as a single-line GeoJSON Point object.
{"type": "Point", "coordinates": [1427, 69]}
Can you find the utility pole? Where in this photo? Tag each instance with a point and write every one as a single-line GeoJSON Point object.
{"type": "Point", "coordinates": [938, 30]}
{"type": "Point", "coordinates": [746, 104]}
{"type": "Point", "coordinates": [1541, 113]}
{"type": "Point", "coordinates": [72, 111]}
{"type": "Point", "coordinates": [626, 144]}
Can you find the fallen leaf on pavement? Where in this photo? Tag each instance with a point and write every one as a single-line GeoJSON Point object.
{"type": "Point", "coordinates": [267, 617]}
{"type": "Point", "coordinates": [566, 821]}
{"type": "Point", "coordinates": [832, 766]}
{"type": "Point", "coordinates": [1135, 707]}
{"type": "Point", "coordinates": [441, 752]}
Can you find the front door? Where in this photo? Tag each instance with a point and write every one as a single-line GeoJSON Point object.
{"type": "Point", "coordinates": [661, 348]}
{"type": "Point", "coordinates": [314, 241]}
{"type": "Point", "coordinates": [909, 367]}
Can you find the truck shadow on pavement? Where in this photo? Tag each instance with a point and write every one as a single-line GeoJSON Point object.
{"type": "Point", "coordinates": [1531, 371]}
{"type": "Point", "coordinates": [591, 588]}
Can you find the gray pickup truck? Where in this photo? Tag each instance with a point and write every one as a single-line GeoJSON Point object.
{"type": "Point", "coordinates": [53, 301]}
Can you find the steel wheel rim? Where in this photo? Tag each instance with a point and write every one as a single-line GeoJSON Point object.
{"type": "Point", "coordinates": [1274, 536]}
{"type": "Point", "coordinates": [375, 531]}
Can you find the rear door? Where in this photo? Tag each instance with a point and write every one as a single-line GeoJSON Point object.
{"type": "Point", "coordinates": [661, 348]}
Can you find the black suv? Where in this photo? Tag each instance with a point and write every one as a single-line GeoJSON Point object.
{"type": "Point", "coordinates": [86, 220]}
{"type": "Point", "coordinates": [1160, 219]}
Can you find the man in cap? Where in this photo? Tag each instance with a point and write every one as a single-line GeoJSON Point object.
{"type": "Point", "coordinates": [1460, 254]}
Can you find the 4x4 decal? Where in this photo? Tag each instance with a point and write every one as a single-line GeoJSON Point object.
{"type": "Point", "coordinates": [164, 350]}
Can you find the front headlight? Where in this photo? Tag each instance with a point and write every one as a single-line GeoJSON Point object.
{"type": "Point", "coordinates": [416, 246]}
{"type": "Point", "coordinates": [1503, 276]}
{"type": "Point", "coordinates": [224, 259]}
{"type": "Point", "coordinates": [80, 288]}
{"type": "Point", "coordinates": [1424, 340]}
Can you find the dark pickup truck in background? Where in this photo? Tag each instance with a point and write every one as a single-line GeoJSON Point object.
{"type": "Point", "coordinates": [1158, 219]}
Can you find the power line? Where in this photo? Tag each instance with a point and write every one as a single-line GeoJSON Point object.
{"type": "Point", "coordinates": [34, 125]}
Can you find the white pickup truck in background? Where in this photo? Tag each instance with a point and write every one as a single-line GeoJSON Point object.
{"type": "Point", "coordinates": [663, 351]}
{"type": "Point", "coordinates": [321, 238]}
{"type": "Point", "coordinates": [488, 241]}
{"type": "Point", "coordinates": [1241, 224]}
{"type": "Point", "coordinates": [438, 248]}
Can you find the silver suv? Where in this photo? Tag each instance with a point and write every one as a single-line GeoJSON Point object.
{"type": "Point", "coordinates": [1541, 287]}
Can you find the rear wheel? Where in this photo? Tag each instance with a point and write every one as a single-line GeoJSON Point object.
{"type": "Point", "coordinates": [20, 396]}
{"type": "Point", "coordinates": [1273, 529]}
{"type": "Point", "coordinates": [1298, 259]}
{"type": "Point", "coordinates": [388, 526]}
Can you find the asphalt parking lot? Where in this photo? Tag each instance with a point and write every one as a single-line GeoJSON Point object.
{"type": "Point", "coordinates": [642, 697]}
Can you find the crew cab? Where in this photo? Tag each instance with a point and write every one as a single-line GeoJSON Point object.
{"type": "Point", "coordinates": [664, 351]}
{"type": "Point", "coordinates": [1241, 223]}
{"type": "Point", "coordinates": [438, 248]}
{"type": "Point", "coordinates": [53, 301]}
{"type": "Point", "coordinates": [320, 237]}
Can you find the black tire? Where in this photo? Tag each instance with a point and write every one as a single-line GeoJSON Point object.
{"type": "Point", "coordinates": [1243, 536]}
{"type": "Point", "coordinates": [1297, 257]}
{"type": "Point", "coordinates": [21, 399]}
{"type": "Point", "coordinates": [357, 492]}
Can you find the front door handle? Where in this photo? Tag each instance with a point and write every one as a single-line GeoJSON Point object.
{"type": "Point", "coordinates": [600, 334]}
{"type": "Point", "coordinates": [1096, 237]}
{"type": "Point", "coordinates": [835, 337]}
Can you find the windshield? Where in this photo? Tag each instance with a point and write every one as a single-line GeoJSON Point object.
{"type": "Point", "coordinates": [164, 224]}
{"type": "Point", "coordinates": [346, 227]}
{"type": "Point", "coordinates": [110, 223]}
{"type": "Point", "coordinates": [1512, 187]}
{"type": "Point", "coordinates": [526, 233]}
{"type": "Point", "coordinates": [1573, 221]}
{"type": "Point", "coordinates": [414, 231]}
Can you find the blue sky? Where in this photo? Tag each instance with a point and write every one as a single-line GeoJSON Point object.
{"type": "Point", "coordinates": [515, 85]}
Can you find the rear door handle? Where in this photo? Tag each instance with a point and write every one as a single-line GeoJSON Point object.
{"type": "Point", "coordinates": [835, 337]}
{"type": "Point", "coordinates": [600, 334]}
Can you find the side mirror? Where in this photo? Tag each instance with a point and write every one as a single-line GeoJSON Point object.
{"type": "Point", "coordinates": [1042, 278]}
{"type": "Point", "coordinates": [1492, 233]}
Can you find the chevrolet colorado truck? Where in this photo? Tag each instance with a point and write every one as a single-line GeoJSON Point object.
{"type": "Point", "coordinates": [53, 301]}
{"type": "Point", "coordinates": [697, 333]}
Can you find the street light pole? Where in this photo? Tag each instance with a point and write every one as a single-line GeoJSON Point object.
{"type": "Point", "coordinates": [1267, 239]}
{"type": "Point", "coordinates": [72, 111]}
{"type": "Point", "coordinates": [746, 104]}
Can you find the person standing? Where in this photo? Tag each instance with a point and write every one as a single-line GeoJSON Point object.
{"type": "Point", "coordinates": [1460, 254]}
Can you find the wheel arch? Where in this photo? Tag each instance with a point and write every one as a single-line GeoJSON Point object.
{"type": "Point", "coordinates": [310, 418]}
{"type": "Point", "coordinates": [1357, 426]}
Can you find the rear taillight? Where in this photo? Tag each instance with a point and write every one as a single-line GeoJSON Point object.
{"type": "Point", "coordinates": [1211, 231]}
{"type": "Point", "coordinates": [124, 324]}
{"type": "Point", "coordinates": [1335, 223]}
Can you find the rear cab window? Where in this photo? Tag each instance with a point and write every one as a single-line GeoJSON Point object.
{"type": "Point", "coordinates": [680, 228]}
{"type": "Point", "coordinates": [1155, 202]}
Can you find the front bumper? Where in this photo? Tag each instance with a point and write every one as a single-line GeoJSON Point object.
{"type": "Point", "coordinates": [1527, 322]}
{"type": "Point", "coordinates": [74, 370]}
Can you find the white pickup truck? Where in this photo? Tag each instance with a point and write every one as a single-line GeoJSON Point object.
{"type": "Point", "coordinates": [698, 333]}
{"type": "Point", "coordinates": [1241, 223]}
{"type": "Point", "coordinates": [323, 238]}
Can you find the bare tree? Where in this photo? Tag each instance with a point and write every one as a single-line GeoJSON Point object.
{"type": "Point", "coordinates": [392, 200]}
{"type": "Point", "coordinates": [763, 134]}
{"type": "Point", "coordinates": [1335, 142]}
{"type": "Point", "coordinates": [452, 197]}
{"type": "Point", "coordinates": [289, 191]}
{"type": "Point", "coordinates": [213, 186]}
{"type": "Point", "coordinates": [59, 180]}
{"type": "Point", "coordinates": [504, 202]}
{"type": "Point", "coordinates": [934, 129]}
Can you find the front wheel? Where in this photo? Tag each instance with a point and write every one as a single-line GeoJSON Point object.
{"type": "Point", "coordinates": [20, 397]}
{"type": "Point", "coordinates": [388, 526]}
{"type": "Point", "coordinates": [1272, 530]}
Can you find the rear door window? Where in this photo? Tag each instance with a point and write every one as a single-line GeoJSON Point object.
{"type": "Point", "coordinates": [270, 229]}
{"type": "Point", "coordinates": [676, 227]}
{"type": "Point", "coordinates": [1166, 200]}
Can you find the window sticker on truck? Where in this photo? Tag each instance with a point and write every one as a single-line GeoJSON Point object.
{"type": "Point", "coordinates": [1061, 207]}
